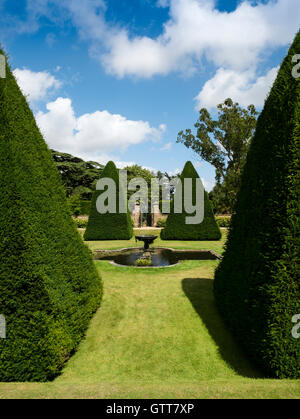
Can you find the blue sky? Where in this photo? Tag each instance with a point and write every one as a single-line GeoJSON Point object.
{"type": "Point", "coordinates": [118, 79]}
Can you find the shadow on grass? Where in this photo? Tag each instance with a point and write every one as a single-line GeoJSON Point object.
{"type": "Point", "coordinates": [200, 293]}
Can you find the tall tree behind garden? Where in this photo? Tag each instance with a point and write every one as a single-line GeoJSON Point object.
{"type": "Point", "coordinates": [224, 143]}
{"type": "Point", "coordinates": [79, 177]}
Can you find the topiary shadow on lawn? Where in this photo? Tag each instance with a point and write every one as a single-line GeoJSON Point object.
{"type": "Point", "coordinates": [200, 293]}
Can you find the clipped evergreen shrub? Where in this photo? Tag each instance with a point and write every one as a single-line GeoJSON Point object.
{"type": "Point", "coordinates": [49, 287]}
{"type": "Point", "coordinates": [108, 226]}
{"type": "Point", "coordinates": [85, 207]}
{"type": "Point", "coordinates": [176, 227]}
{"type": "Point", "coordinates": [257, 284]}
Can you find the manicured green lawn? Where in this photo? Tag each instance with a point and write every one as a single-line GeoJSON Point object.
{"type": "Point", "coordinates": [157, 335]}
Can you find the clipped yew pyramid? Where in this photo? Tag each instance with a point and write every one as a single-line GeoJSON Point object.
{"type": "Point", "coordinates": [109, 226]}
{"type": "Point", "coordinates": [49, 287]}
{"type": "Point", "coordinates": [257, 284]}
{"type": "Point", "coordinates": [176, 227]}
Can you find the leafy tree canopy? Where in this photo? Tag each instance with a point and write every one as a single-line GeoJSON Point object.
{"type": "Point", "coordinates": [223, 142]}
{"type": "Point", "coordinates": [79, 177]}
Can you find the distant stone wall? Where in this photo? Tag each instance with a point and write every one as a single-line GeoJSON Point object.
{"type": "Point", "coordinates": [156, 215]}
{"type": "Point", "coordinates": [136, 213]}
{"type": "Point", "coordinates": [136, 216]}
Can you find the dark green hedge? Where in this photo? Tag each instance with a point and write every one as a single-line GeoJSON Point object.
{"type": "Point", "coordinates": [85, 207]}
{"type": "Point", "coordinates": [108, 226]}
{"type": "Point", "coordinates": [49, 287]}
{"type": "Point", "coordinates": [176, 227]}
{"type": "Point", "coordinates": [257, 283]}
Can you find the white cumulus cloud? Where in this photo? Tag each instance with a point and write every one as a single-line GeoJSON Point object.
{"type": "Point", "coordinates": [92, 135]}
{"type": "Point", "coordinates": [243, 87]}
{"type": "Point", "coordinates": [36, 85]}
{"type": "Point", "coordinates": [196, 29]}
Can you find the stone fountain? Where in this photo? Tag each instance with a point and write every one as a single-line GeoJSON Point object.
{"type": "Point", "coordinates": [147, 239]}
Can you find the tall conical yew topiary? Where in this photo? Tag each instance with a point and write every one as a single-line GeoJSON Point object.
{"type": "Point", "coordinates": [49, 286]}
{"type": "Point", "coordinates": [176, 227]}
{"type": "Point", "coordinates": [257, 284]}
{"type": "Point", "coordinates": [108, 226]}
